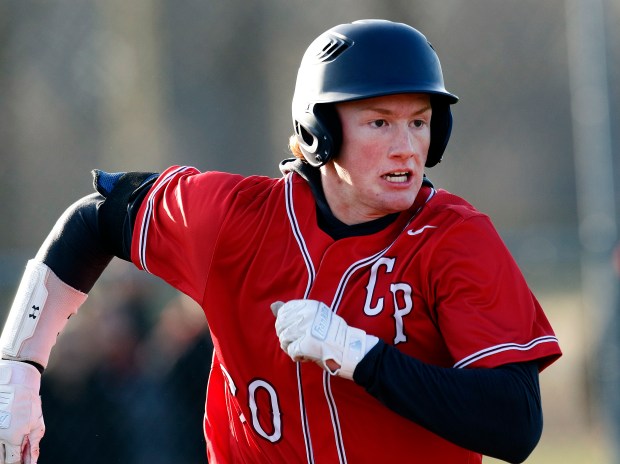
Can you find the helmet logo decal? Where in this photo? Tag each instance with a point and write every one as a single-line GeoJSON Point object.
{"type": "Point", "coordinates": [332, 47]}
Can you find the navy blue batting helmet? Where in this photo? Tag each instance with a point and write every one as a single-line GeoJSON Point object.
{"type": "Point", "coordinates": [365, 59]}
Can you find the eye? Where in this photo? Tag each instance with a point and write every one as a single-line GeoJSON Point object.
{"type": "Point", "coordinates": [378, 123]}
{"type": "Point", "coordinates": [419, 122]}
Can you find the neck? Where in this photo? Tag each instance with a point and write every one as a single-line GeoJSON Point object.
{"type": "Point", "coordinates": [327, 221]}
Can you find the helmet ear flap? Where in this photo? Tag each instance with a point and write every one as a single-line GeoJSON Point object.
{"type": "Point", "coordinates": [441, 128]}
{"type": "Point", "coordinates": [318, 133]}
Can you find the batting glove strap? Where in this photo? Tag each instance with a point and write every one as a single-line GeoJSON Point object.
{"type": "Point", "coordinates": [21, 418]}
{"type": "Point", "coordinates": [42, 305]}
{"type": "Point", "coordinates": [357, 344]}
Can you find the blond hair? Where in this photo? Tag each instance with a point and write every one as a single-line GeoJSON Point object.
{"type": "Point", "coordinates": [293, 145]}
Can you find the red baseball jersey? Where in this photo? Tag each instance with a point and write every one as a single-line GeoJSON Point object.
{"type": "Point", "coordinates": [438, 283]}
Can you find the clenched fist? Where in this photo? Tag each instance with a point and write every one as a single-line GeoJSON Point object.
{"type": "Point", "coordinates": [310, 330]}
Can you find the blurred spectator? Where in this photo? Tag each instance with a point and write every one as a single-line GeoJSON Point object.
{"type": "Point", "coordinates": [183, 330]}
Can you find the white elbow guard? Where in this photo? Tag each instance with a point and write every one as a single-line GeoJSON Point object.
{"type": "Point", "coordinates": [40, 311]}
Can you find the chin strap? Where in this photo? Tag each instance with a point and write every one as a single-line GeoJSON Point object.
{"type": "Point", "coordinates": [40, 311]}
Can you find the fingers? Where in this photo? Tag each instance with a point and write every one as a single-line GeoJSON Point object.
{"type": "Point", "coordinates": [302, 327]}
{"type": "Point", "coordinates": [31, 454]}
{"type": "Point", "coordinates": [12, 454]}
{"type": "Point", "coordinates": [288, 334]}
{"type": "Point", "coordinates": [294, 312]}
{"type": "Point", "coordinates": [293, 322]}
{"type": "Point", "coordinates": [26, 451]}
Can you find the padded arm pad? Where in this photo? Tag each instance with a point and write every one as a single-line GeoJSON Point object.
{"type": "Point", "coordinates": [40, 311]}
{"type": "Point", "coordinates": [123, 194]}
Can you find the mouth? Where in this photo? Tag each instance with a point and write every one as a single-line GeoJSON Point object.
{"type": "Point", "coordinates": [397, 177]}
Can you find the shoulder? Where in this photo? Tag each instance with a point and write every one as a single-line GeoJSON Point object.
{"type": "Point", "coordinates": [194, 177]}
{"type": "Point", "coordinates": [452, 210]}
{"type": "Point", "coordinates": [456, 223]}
{"type": "Point", "coordinates": [447, 202]}
{"type": "Point", "coordinates": [191, 182]}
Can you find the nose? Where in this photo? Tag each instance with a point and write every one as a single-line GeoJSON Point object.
{"type": "Point", "coordinates": [404, 143]}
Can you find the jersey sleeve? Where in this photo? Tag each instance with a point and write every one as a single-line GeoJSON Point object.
{"type": "Point", "coordinates": [485, 310]}
{"type": "Point", "coordinates": [177, 226]}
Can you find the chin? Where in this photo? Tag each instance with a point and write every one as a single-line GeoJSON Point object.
{"type": "Point", "coordinates": [402, 202]}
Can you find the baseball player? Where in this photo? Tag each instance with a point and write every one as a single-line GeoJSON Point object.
{"type": "Point", "coordinates": [359, 314]}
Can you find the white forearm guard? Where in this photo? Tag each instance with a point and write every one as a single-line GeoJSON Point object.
{"type": "Point", "coordinates": [40, 311]}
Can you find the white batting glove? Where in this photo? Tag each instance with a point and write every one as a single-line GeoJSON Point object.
{"type": "Point", "coordinates": [310, 330]}
{"type": "Point", "coordinates": [21, 419]}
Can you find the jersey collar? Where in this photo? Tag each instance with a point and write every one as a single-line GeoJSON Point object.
{"type": "Point", "coordinates": [326, 220]}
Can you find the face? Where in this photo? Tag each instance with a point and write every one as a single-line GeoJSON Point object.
{"type": "Point", "coordinates": [380, 167]}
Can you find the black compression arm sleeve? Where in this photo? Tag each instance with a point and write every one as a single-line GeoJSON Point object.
{"type": "Point", "coordinates": [495, 412]}
{"type": "Point", "coordinates": [74, 249]}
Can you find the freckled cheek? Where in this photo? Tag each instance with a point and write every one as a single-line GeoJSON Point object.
{"type": "Point", "coordinates": [371, 154]}
{"type": "Point", "coordinates": [362, 156]}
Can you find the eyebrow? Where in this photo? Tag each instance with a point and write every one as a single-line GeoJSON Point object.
{"type": "Point", "coordinates": [381, 110]}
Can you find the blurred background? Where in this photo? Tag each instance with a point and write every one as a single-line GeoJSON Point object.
{"type": "Point", "coordinates": [145, 84]}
